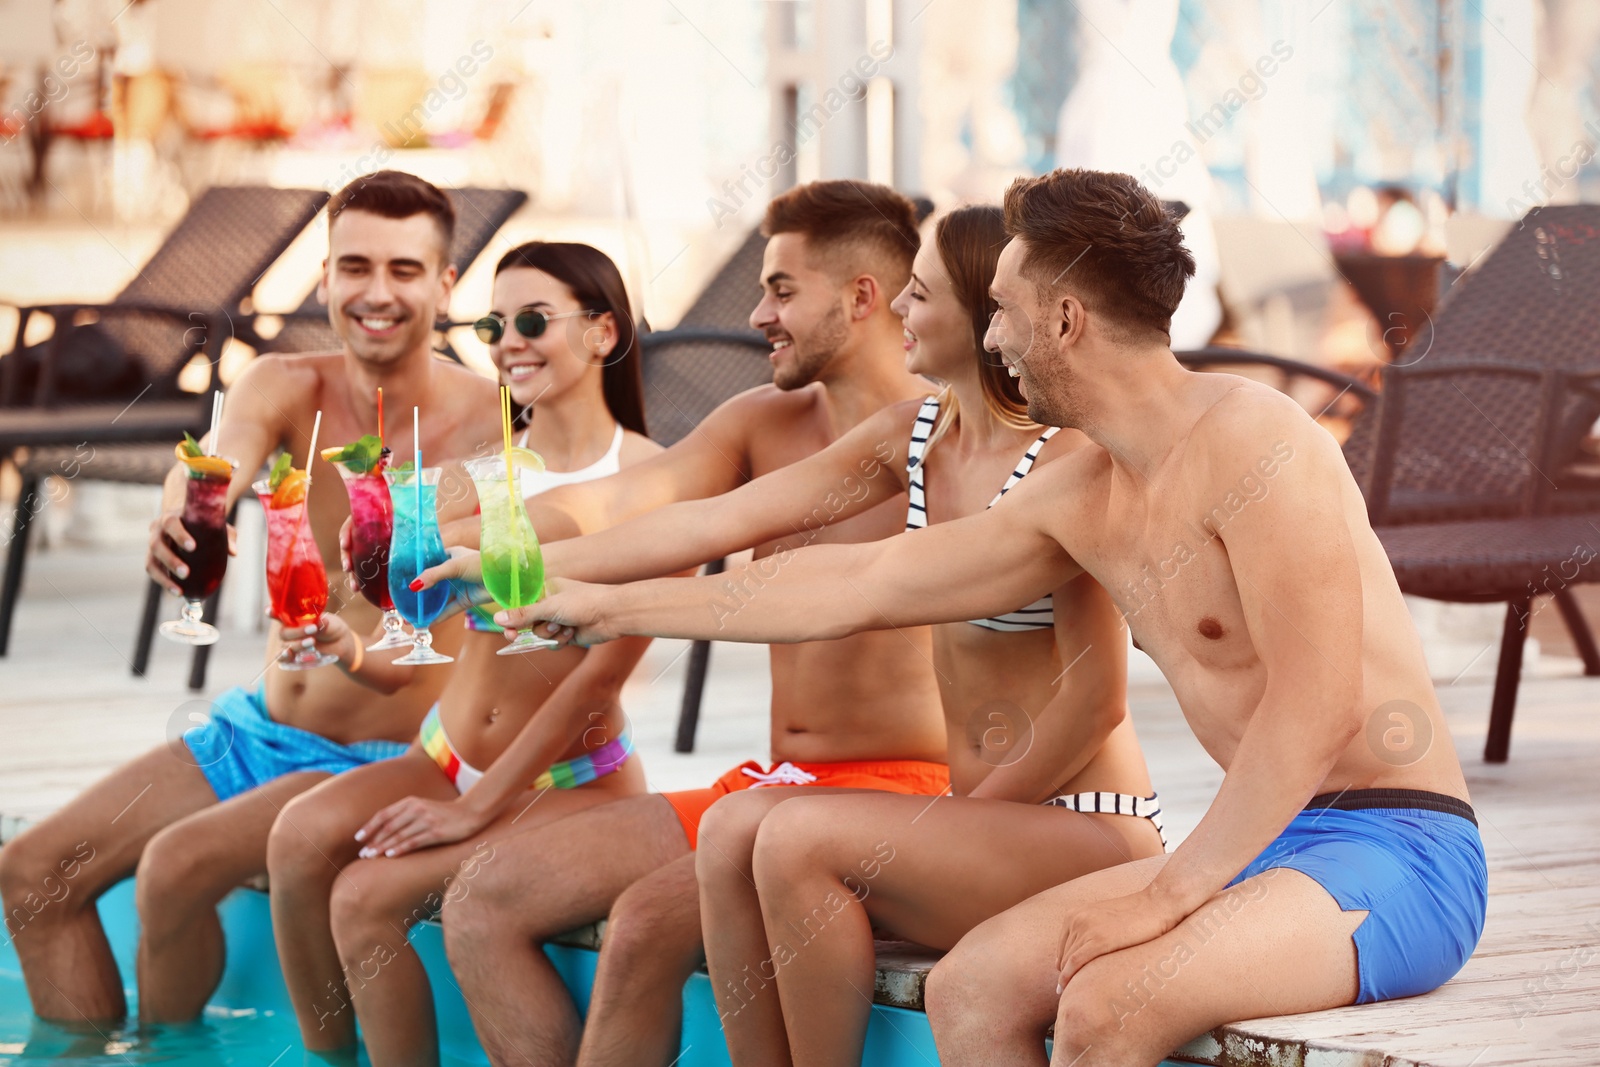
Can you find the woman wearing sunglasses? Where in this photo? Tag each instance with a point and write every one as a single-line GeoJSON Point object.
{"type": "Point", "coordinates": [513, 739]}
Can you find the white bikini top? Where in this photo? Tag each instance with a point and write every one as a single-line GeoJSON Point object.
{"type": "Point", "coordinates": [1036, 616]}
{"type": "Point", "coordinates": [532, 482]}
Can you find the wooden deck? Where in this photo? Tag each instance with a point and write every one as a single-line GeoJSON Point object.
{"type": "Point", "coordinates": [1530, 994]}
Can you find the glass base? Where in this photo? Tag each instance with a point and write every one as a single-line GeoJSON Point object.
{"type": "Point", "coordinates": [394, 634]}
{"type": "Point", "coordinates": [422, 655]}
{"type": "Point", "coordinates": [527, 641]}
{"type": "Point", "coordinates": [187, 632]}
{"type": "Point", "coordinates": [188, 628]}
{"type": "Point", "coordinates": [422, 650]}
{"type": "Point", "coordinates": [307, 660]}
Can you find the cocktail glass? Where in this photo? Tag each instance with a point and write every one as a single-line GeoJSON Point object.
{"type": "Point", "coordinates": [414, 548]}
{"type": "Point", "coordinates": [513, 567]}
{"type": "Point", "coordinates": [297, 582]}
{"type": "Point", "coordinates": [205, 516]}
{"type": "Point", "coordinates": [371, 530]}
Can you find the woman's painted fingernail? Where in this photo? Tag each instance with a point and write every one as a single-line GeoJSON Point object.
{"type": "Point", "coordinates": [182, 572]}
{"type": "Point", "coordinates": [367, 853]}
{"type": "Point", "coordinates": [416, 585]}
{"type": "Point", "coordinates": [1059, 989]}
{"type": "Point", "coordinates": [361, 835]}
{"type": "Point", "coordinates": [389, 852]}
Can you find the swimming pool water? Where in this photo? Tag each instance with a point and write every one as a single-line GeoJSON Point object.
{"type": "Point", "coordinates": [250, 1024]}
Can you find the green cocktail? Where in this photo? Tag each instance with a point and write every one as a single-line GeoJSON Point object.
{"type": "Point", "coordinates": [513, 567]}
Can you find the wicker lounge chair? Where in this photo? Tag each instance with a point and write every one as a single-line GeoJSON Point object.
{"type": "Point", "coordinates": [100, 400]}
{"type": "Point", "coordinates": [1486, 434]}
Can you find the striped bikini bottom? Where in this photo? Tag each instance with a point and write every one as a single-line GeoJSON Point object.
{"type": "Point", "coordinates": [568, 774]}
{"type": "Point", "coordinates": [1115, 804]}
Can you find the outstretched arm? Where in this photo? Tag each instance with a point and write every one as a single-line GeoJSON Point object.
{"type": "Point", "coordinates": [712, 459]}
{"type": "Point", "coordinates": [857, 472]}
{"type": "Point", "coordinates": [862, 469]}
{"type": "Point", "coordinates": [982, 565]}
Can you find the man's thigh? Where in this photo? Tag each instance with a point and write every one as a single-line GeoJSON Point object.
{"type": "Point", "coordinates": [106, 827]}
{"type": "Point", "coordinates": [1276, 944]}
{"type": "Point", "coordinates": [558, 875]}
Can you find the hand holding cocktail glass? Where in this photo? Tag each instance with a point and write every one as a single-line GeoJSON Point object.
{"type": "Point", "coordinates": [297, 582]}
{"type": "Point", "coordinates": [370, 529]}
{"type": "Point", "coordinates": [200, 545]}
{"type": "Point", "coordinates": [509, 557]}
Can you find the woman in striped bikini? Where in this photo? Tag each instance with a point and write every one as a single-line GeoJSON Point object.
{"type": "Point", "coordinates": [1035, 700]}
{"type": "Point", "coordinates": [513, 739]}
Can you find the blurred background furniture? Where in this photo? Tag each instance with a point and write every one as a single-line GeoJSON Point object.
{"type": "Point", "coordinates": [100, 399]}
{"type": "Point", "coordinates": [1485, 434]}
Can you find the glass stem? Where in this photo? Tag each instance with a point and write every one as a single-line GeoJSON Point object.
{"type": "Point", "coordinates": [392, 623]}
{"type": "Point", "coordinates": [192, 611]}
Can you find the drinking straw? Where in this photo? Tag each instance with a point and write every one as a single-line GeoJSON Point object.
{"type": "Point", "coordinates": [511, 494]}
{"type": "Point", "coordinates": [312, 455]}
{"type": "Point", "coordinates": [216, 423]}
{"type": "Point", "coordinates": [416, 485]}
{"type": "Point", "coordinates": [380, 418]}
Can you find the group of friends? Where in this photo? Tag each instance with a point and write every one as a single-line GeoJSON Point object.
{"type": "Point", "coordinates": [977, 469]}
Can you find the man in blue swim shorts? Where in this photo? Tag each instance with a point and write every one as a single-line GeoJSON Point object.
{"type": "Point", "coordinates": [193, 816]}
{"type": "Point", "coordinates": [1340, 861]}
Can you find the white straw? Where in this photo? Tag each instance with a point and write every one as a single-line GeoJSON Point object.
{"type": "Point", "coordinates": [216, 424]}
{"type": "Point", "coordinates": [315, 426]}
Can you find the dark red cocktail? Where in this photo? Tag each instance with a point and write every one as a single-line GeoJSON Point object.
{"type": "Point", "coordinates": [361, 466]}
{"type": "Point", "coordinates": [205, 517]}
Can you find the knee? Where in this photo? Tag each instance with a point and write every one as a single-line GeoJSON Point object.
{"type": "Point", "coordinates": [966, 987]}
{"type": "Point", "coordinates": [363, 902]}
{"type": "Point", "coordinates": [170, 869]}
{"type": "Point", "coordinates": [728, 839]}
{"type": "Point", "coordinates": [36, 874]}
{"type": "Point", "coordinates": [300, 846]}
{"type": "Point", "coordinates": [644, 933]}
{"type": "Point", "coordinates": [1101, 1008]}
{"type": "Point", "coordinates": [485, 904]}
{"type": "Point", "coordinates": [785, 847]}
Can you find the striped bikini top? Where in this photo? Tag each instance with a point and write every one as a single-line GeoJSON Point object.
{"type": "Point", "coordinates": [1040, 614]}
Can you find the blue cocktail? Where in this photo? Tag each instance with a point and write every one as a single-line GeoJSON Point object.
{"type": "Point", "coordinates": [414, 548]}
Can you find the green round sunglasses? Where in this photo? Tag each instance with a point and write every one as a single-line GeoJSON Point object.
{"type": "Point", "coordinates": [530, 322]}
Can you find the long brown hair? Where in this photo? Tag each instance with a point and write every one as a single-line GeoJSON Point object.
{"type": "Point", "coordinates": [969, 240]}
{"type": "Point", "coordinates": [597, 285]}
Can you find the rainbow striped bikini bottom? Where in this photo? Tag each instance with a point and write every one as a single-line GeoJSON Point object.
{"type": "Point", "coordinates": [568, 774]}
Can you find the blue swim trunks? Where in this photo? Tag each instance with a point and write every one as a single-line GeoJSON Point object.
{"type": "Point", "coordinates": [241, 747]}
{"type": "Point", "coordinates": [1413, 861]}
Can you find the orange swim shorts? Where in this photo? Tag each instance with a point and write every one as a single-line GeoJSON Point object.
{"type": "Point", "coordinates": [916, 777]}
